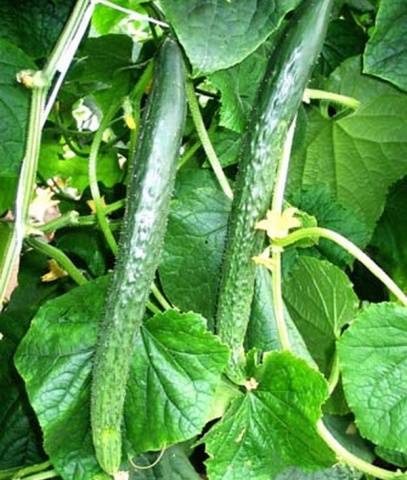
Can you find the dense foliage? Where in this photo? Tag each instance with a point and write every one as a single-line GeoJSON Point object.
{"type": "Point", "coordinates": [301, 372]}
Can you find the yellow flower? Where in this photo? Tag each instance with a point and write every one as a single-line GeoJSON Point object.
{"type": "Point", "coordinates": [278, 225]}
{"type": "Point", "coordinates": [55, 272]}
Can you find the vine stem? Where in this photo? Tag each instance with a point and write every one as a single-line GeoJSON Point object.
{"type": "Point", "coordinates": [352, 460]}
{"type": "Point", "coordinates": [205, 140]}
{"type": "Point", "coordinates": [277, 206]}
{"type": "Point", "coordinates": [23, 471]}
{"type": "Point", "coordinates": [352, 249]}
{"type": "Point", "coordinates": [24, 190]}
{"type": "Point", "coordinates": [311, 94]}
{"type": "Point", "coordinates": [41, 475]}
{"type": "Point", "coordinates": [63, 260]}
{"type": "Point", "coordinates": [93, 181]}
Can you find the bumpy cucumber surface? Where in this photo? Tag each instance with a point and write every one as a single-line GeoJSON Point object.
{"type": "Point", "coordinates": [277, 102]}
{"type": "Point", "coordinates": [151, 183]}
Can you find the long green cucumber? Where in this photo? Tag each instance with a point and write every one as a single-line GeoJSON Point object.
{"type": "Point", "coordinates": [277, 102]}
{"type": "Point", "coordinates": [150, 187]}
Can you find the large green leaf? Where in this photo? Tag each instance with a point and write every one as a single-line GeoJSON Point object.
{"type": "Point", "coordinates": [321, 301]}
{"type": "Point", "coordinates": [272, 426]}
{"type": "Point", "coordinates": [219, 34]}
{"type": "Point", "coordinates": [176, 368]}
{"type": "Point", "coordinates": [194, 244]}
{"type": "Point", "coordinates": [359, 157]}
{"type": "Point", "coordinates": [14, 105]}
{"type": "Point", "coordinates": [386, 53]}
{"type": "Point", "coordinates": [373, 361]}
{"type": "Point", "coordinates": [33, 26]}
{"type": "Point", "coordinates": [55, 361]}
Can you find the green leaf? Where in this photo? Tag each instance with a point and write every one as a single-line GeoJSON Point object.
{"type": "Point", "coordinates": [174, 465]}
{"type": "Point", "coordinates": [55, 361]}
{"type": "Point", "coordinates": [20, 437]}
{"type": "Point", "coordinates": [372, 355]}
{"type": "Point", "coordinates": [88, 246]}
{"type": "Point", "coordinates": [321, 301]}
{"type": "Point", "coordinates": [33, 26]}
{"type": "Point", "coordinates": [105, 19]}
{"type": "Point", "coordinates": [262, 332]}
{"type": "Point", "coordinates": [389, 237]}
{"type": "Point", "coordinates": [238, 86]}
{"type": "Point", "coordinates": [8, 188]}
{"type": "Point", "coordinates": [359, 157]}
{"type": "Point", "coordinates": [194, 244]}
{"type": "Point", "coordinates": [392, 456]}
{"type": "Point", "coordinates": [346, 433]}
{"type": "Point", "coordinates": [319, 202]}
{"type": "Point", "coordinates": [272, 426]}
{"type": "Point", "coordinates": [344, 39]}
{"type": "Point", "coordinates": [220, 34]}
{"type": "Point", "coordinates": [334, 473]}
{"type": "Point", "coordinates": [227, 145]}
{"type": "Point", "coordinates": [74, 169]}
{"type": "Point", "coordinates": [179, 359]}
{"type": "Point", "coordinates": [348, 79]}
{"type": "Point", "coordinates": [175, 372]}
{"type": "Point", "coordinates": [386, 54]}
{"type": "Point", "coordinates": [14, 107]}
{"type": "Point", "coordinates": [20, 442]}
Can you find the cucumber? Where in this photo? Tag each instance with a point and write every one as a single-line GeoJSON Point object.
{"type": "Point", "coordinates": [277, 102]}
{"type": "Point", "coordinates": [150, 187]}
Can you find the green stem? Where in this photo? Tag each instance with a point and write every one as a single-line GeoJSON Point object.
{"type": "Point", "coordinates": [277, 206]}
{"type": "Point", "coordinates": [72, 219]}
{"type": "Point", "coordinates": [60, 257]}
{"type": "Point", "coordinates": [282, 171]}
{"type": "Point", "coordinates": [41, 476]}
{"type": "Point", "coordinates": [160, 297]}
{"type": "Point", "coordinates": [278, 303]}
{"type": "Point", "coordinates": [349, 458]}
{"type": "Point", "coordinates": [334, 374]}
{"type": "Point", "coordinates": [93, 182]}
{"type": "Point", "coordinates": [189, 153]}
{"type": "Point", "coordinates": [205, 140]}
{"type": "Point", "coordinates": [24, 190]}
{"type": "Point", "coordinates": [352, 249]}
{"type": "Point", "coordinates": [153, 308]}
{"type": "Point", "coordinates": [349, 102]}
{"type": "Point", "coordinates": [23, 471]}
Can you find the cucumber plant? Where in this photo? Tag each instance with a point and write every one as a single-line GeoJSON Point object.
{"type": "Point", "coordinates": [215, 291]}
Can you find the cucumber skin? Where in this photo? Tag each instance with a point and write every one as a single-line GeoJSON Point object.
{"type": "Point", "coordinates": [278, 100]}
{"type": "Point", "coordinates": [150, 187]}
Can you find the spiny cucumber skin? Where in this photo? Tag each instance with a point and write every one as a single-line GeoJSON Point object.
{"type": "Point", "coordinates": [149, 191]}
{"type": "Point", "coordinates": [277, 102]}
